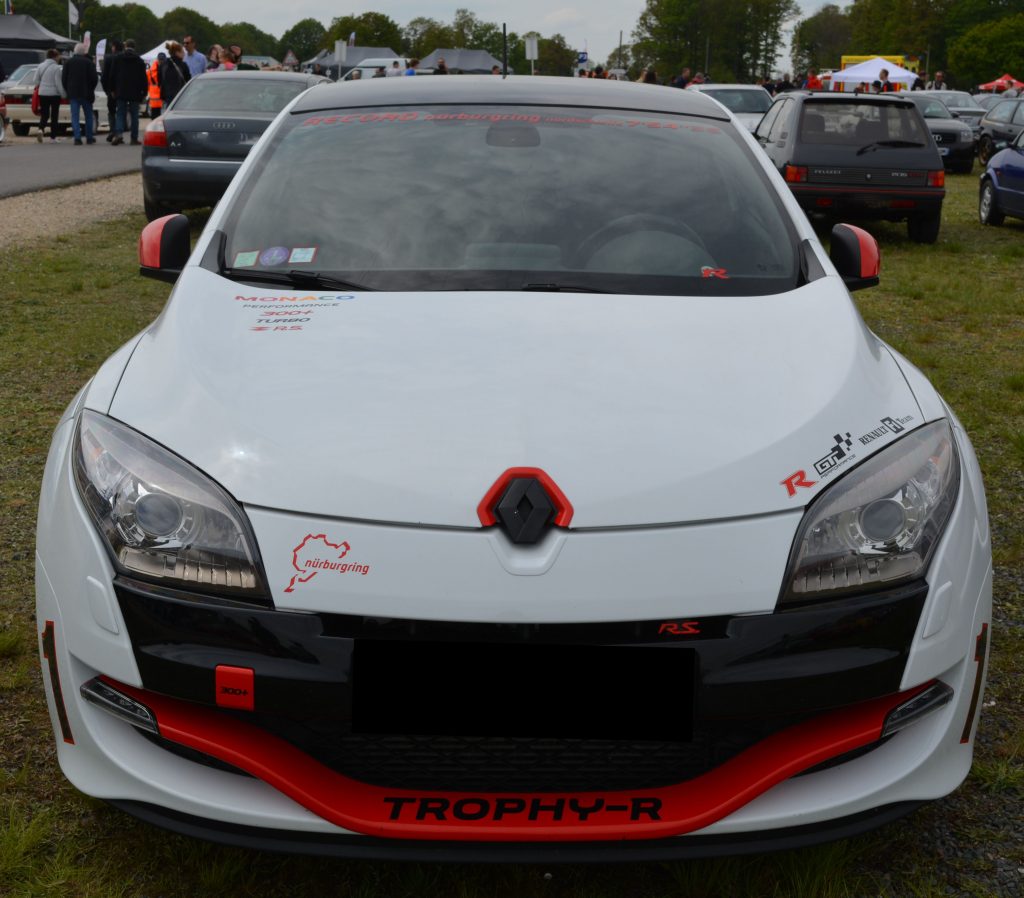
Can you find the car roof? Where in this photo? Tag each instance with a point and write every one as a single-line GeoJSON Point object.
{"type": "Point", "coordinates": [251, 75]}
{"type": "Point", "coordinates": [829, 96]}
{"type": "Point", "coordinates": [713, 84]}
{"type": "Point", "coordinates": [522, 90]}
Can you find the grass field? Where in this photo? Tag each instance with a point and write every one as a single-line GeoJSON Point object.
{"type": "Point", "coordinates": [955, 309]}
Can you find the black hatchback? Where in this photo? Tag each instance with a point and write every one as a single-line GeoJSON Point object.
{"type": "Point", "coordinates": [191, 153]}
{"type": "Point", "coordinates": [858, 156]}
{"type": "Point", "coordinates": [1000, 127]}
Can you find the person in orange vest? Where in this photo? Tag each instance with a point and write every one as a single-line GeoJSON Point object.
{"type": "Point", "coordinates": [156, 103]}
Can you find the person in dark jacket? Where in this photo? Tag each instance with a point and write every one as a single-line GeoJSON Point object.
{"type": "Point", "coordinates": [113, 48]}
{"type": "Point", "coordinates": [128, 78]}
{"type": "Point", "coordinates": [79, 79]}
{"type": "Point", "coordinates": [174, 72]}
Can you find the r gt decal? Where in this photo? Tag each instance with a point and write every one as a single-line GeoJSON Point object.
{"type": "Point", "coordinates": [315, 554]}
{"type": "Point", "coordinates": [533, 809]}
{"type": "Point", "coordinates": [798, 478]}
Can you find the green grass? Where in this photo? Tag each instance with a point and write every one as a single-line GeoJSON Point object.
{"type": "Point", "coordinates": [955, 309]}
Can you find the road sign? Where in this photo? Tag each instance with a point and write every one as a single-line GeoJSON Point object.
{"type": "Point", "coordinates": [531, 47]}
{"type": "Point", "coordinates": [582, 57]}
{"type": "Point", "coordinates": [290, 58]}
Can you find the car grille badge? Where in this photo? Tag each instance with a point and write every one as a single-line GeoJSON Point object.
{"type": "Point", "coordinates": [525, 511]}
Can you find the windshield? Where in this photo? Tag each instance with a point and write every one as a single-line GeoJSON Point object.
{"type": "Point", "coordinates": [214, 93]}
{"type": "Point", "coordinates": [959, 101]}
{"type": "Point", "coordinates": [860, 124]}
{"type": "Point", "coordinates": [931, 108]}
{"type": "Point", "coordinates": [742, 100]}
{"type": "Point", "coordinates": [510, 198]}
{"type": "Point", "coordinates": [21, 71]}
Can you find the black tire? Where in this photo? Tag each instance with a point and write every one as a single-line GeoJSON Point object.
{"type": "Point", "coordinates": [985, 150]}
{"type": "Point", "coordinates": [20, 128]}
{"type": "Point", "coordinates": [924, 228]}
{"type": "Point", "coordinates": [989, 212]}
{"type": "Point", "coordinates": [155, 210]}
{"type": "Point", "coordinates": [3, 129]}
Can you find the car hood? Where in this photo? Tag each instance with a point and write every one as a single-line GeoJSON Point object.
{"type": "Point", "coordinates": [407, 407]}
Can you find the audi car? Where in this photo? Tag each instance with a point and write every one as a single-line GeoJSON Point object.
{"type": "Point", "coordinates": [564, 510]}
{"type": "Point", "coordinates": [952, 136]}
{"type": "Point", "coordinates": [192, 151]}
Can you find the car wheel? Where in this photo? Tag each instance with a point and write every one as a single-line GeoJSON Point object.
{"type": "Point", "coordinates": [988, 206]}
{"type": "Point", "coordinates": [985, 150]}
{"type": "Point", "coordinates": [20, 128]}
{"type": "Point", "coordinates": [924, 228]}
{"type": "Point", "coordinates": [155, 210]}
{"type": "Point", "coordinates": [3, 130]}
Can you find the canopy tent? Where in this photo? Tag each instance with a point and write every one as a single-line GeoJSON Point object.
{"type": "Point", "coordinates": [24, 31]}
{"type": "Point", "coordinates": [870, 70]}
{"type": "Point", "coordinates": [1004, 83]}
{"type": "Point", "coordinates": [353, 56]}
{"type": "Point", "coordinates": [468, 62]}
{"type": "Point", "coordinates": [156, 51]}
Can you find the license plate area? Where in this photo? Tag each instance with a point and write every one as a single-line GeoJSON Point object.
{"type": "Point", "coordinates": [637, 693]}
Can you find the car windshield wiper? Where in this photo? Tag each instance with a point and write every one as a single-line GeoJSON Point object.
{"type": "Point", "coordinates": [874, 145]}
{"type": "Point", "coordinates": [562, 288]}
{"type": "Point", "coordinates": [294, 278]}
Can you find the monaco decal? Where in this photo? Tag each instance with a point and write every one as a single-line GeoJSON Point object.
{"type": "Point", "coordinates": [316, 554]}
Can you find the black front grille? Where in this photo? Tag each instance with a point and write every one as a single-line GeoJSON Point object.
{"type": "Point", "coordinates": [498, 764]}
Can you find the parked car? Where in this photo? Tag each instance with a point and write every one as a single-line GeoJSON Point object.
{"type": "Point", "coordinates": [748, 102]}
{"type": "Point", "coordinates": [15, 78]}
{"type": "Point", "coordinates": [987, 101]}
{"type": "Point", "coordinates": [1001, 124]}
{"type": "Point", "coordinates": [961, 104]}
{"type": "Point", "coordinates": [3, 117]}
{"type": "Point", "coordinates": [191, 152]}
{"type": "Point", "coordinates": [589, 522]}
{"type": "Point", "coordinates": [1002, 186]}
{"type": "Point", "coordinates": [19, 105]}
{"type": "Point", "coordinates": [952, 136]}
{"type": "Point", "coordinates": [367, 68]}
{"type": "Point", "coordinates": [865, 156]}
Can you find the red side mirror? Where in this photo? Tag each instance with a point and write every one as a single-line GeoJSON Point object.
{"type": "Point", "coordinates": [854, 252]}
{"type": "Point", "coordinates": [164, 248]}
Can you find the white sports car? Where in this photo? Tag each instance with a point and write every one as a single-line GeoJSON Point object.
{"type": "Point", "coordinates": [565, 508]}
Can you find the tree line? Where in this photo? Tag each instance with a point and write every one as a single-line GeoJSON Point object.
{"type": "Point", "coordinates": [972, 41]}
{"type": "Point", "coordinates": [306, 37]}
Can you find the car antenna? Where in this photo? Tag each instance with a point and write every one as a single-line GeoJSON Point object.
{"type": "Point", "coordinates": [504, 50]}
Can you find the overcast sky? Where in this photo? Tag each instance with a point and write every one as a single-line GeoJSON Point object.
{"type": "Point", "coordinates": [595, 23]}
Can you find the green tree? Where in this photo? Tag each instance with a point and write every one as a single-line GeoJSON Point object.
{"type": "Point", "coordinates": [820, 41]}
{"type": "Point", "coordinates": [556, 57]}
{"type": "Point", "coordinates": [251, 39]}
{"type": "Point", "coordinates": [988, 51]}
{"type": "Point", "coordinates": [52, 14]}
{"type": "Point", "coordinates": [373, 29]}
{"type": "Point", "coordinates": [304, 38]}
{"type": "Point", "coordinates": [423, 35]}
{"type": "Point", "coordinates": [181, 20]}
{"type": "Point", "coordinates": [128, 20]}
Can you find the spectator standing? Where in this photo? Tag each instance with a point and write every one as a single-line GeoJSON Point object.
{"type": "Point", "coordinates": [357, 74]}
{"type": "Point", "coordinates": [195, 60]}
{"type": "Point", "coordinates": [683, 79]}
{"type": "Point", "coordinates": [441, 68]}
{"type": "Point", "coordinates": [213, 58]}
{"type": "Point", "coordinates": [114, 48]}
{"type": "Point", "coordinates": [938, 82]}
{"type": "Point", "coordinates": [79, 79]}
{"type": "Point", "coordinates": [495, 69]}
{"type": "Point", "coordinates": [128, 77]}
{"type": "Point", "coordinates": [153, 101]}
{"type": "Point", "coordinates": [395, 70]}
{"type": "Point", "coordinates": [51, 89]}
{"type": "Point", "coordinates": [813, 81]}
{"type": "Point", "coordinates": [173, 73]}
{"type": "Point", "coordinates": [887, 86]}
{"type": "Point", "coordinates": [413, 65]}
{"type": "Point", "coordinates": [238, 54]}
{"type": "Point", "coordinates": [784, 85]}
{"type": "Point", "coordinates": [650, 76]}
{"type": "Point", "coordinates": [380, 72]}
{"type": "Point", "coordinates": [227, 60]}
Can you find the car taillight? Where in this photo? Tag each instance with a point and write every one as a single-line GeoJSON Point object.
{"type": "Point", "coordinates": [796, 174]}
{"type": "Point", "coordinates": [13, 100]}
{"type": "Point", "coordinates": [937, 178]}
{"type": "Point", "coordinates": [156, 134]}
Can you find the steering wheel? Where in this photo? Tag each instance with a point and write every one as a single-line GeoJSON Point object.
{"type": "Point", "coordinates": [629, 224]}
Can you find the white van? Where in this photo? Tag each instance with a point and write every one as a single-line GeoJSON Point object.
{"type": "Point", "coordinates": [369, 66]}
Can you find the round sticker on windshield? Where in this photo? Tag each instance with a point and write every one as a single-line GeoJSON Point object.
{"type": "Point", "coordinates": [274, 256]}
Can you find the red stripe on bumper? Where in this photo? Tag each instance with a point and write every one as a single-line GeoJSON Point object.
{"type": "Point", "coordinates": [504, 817]}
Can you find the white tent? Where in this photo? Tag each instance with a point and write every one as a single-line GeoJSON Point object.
{"type": "Point", "coordinates": [159, 48]}
{"type": "Point", "coordinates": [869, 71]}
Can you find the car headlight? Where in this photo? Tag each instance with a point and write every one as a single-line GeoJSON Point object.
{"type": "Point", "coordinates": [966, 136]}
{"type": "Point", "coordinates": [878, 525]}
{"type": "Point", "coordinates": [161, 518]}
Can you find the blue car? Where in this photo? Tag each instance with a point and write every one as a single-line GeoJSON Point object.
{"type": "Point", "coordinates": [1002, 185]}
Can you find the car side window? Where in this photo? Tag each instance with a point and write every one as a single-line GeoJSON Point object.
{"type": "Point", "coordinates": [1002, 113]}
{"type": "Point", "coordinates": [765, 125]}
{"type": "Point", "coordinates": [780, 127]}
{"type": "Point", "coordinates": [1018, 116]}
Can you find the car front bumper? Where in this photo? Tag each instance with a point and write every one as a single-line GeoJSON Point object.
{"type": "Point", "coordinates": [799, 700]}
